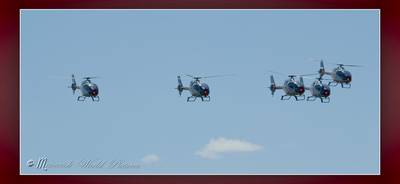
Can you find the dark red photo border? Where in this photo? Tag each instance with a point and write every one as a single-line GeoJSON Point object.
{"type": "Point", "coordinates": [9, 93]}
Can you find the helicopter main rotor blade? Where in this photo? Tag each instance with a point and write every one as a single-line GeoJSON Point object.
{"type": "Point", "coordinates": [210, 76]}
{"type": "Point", "coordinates": [278, 73]}
{"type": "Point", "coordinates": [317, 78]}
{"type": "Point", "coordinates": [189, 75]}
{"type": "Point", "coordinates": [92, 77]}
{"type": "Point", "coordinates": [310, 74]}
{"type": "Point", "coordinates": [306, 77]}
{"type": "Point", "coordinates": [351, 65]}
{"type": "Point", "coordinates": [293, 75]}
{"type": "Point", "coordinates": [342, 64]}
{"type": "Point", "coordinates": [215, 76]}
{"type": "Point", "coordinates": [56, 77]}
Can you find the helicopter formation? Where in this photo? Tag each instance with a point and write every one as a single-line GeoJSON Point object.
{"type": "Point", "coordinates": [318, 89]}
{"type": "Point", "coordinates": [296, 88]}
{"type": "Point", "coordinates": [292, 87]}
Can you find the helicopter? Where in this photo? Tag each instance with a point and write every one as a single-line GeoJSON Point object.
{"type": "Point", "coordinates": [291, 87]}
{"type": "Point", "coordinates": [319, 90]}
{"type": "Point", "coordinates": [197, 88]}
{"type": "Point", "coordinates": [339, 75]}
{"type": "Point", "coordinates": [87, 88]}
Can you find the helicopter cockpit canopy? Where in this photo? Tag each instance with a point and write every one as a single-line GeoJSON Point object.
{"type": "Point", "coordinates": [344, 75]}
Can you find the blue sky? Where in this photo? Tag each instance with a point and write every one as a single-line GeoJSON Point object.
{"type": "Point", "coordinates": [141, 119]}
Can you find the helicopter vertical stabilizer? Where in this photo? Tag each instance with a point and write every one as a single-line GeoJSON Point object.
{"type": "Point", "coordinates": [180, 86]}
{"type": "Point", "coordinates": [273, 85]}
{"type": "Point", "coordinates": [73, 85]}
{"type": "Point", "coordinates": [301, 81]}
{"type": "Point", "coordinates": [321, 69]}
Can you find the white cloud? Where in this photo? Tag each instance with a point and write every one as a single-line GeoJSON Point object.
{"type": "Point", "coordinates": [150, 159]}
{"type": "Point", "coordinates": [222, 145]}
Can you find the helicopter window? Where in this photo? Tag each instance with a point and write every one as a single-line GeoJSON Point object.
{"type": "Point", "coordinates": [93, 86]}
{"type": "Point", "coordinates": [340, 74]}
{"type": "Point", "coordinates": [87, 88]}
{"type": "Point", "coordinates": [197, 87]}
{"type": "Point", "coordinates": [318, 87]}
{"type": "Point", "coordinates": [292, 85]}
{"type": "Point", "coordinates": [204, 86]}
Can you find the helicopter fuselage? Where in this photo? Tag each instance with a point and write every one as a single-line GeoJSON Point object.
{"type": "Point", "coordinates": [199, 89]}
{"type": "Point", "coordinates": [293, 88]}
{"type": "Point", "coordinates": [89, 89]}
{"type": "Point", "coordinates": [340, 75]}
{"type": "Point", "coordinates": [318, 89]}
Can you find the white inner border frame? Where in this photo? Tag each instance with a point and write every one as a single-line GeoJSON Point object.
{"type": "Point", "coordinates": [183, 174]}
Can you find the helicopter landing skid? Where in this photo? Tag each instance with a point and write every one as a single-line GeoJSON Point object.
{"type": "Point", "coordinates": [344, 85]}
{"type": "Point", "coordinates": [206, 99]}
{"type": "Point", "coordinates": [83, 98]}
{"type": "Point", "coordinates": [311, 98]}
{"type": "Point", "coordinates": [95, 98]}
{"type": "Point", "coordinates": [203, 99]}
{"type": "Point", "coordinates": [333, 84]}
{"type": "Point", "coordinates": [80, 98]}
{"type": "Point", "coordinates": [323, 99]}
{"type": "Point", "coordinates": [297, 97]}
{"type": "Point", "coordinates": [285, 97]}
{"type": "Point", "coordinates": [302, 97]}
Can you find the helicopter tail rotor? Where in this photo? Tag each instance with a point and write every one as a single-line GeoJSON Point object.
{"type": "Point", "coordinates": [272, 86]}
{"type": "Point", "coordinates": [301, 81]}
{"type": "Point", "coordinates": [180, 86]}
{"type": "Point", "coordinates": [321, 69]}
{"type": "Point", "coordinates": [73, 85]}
